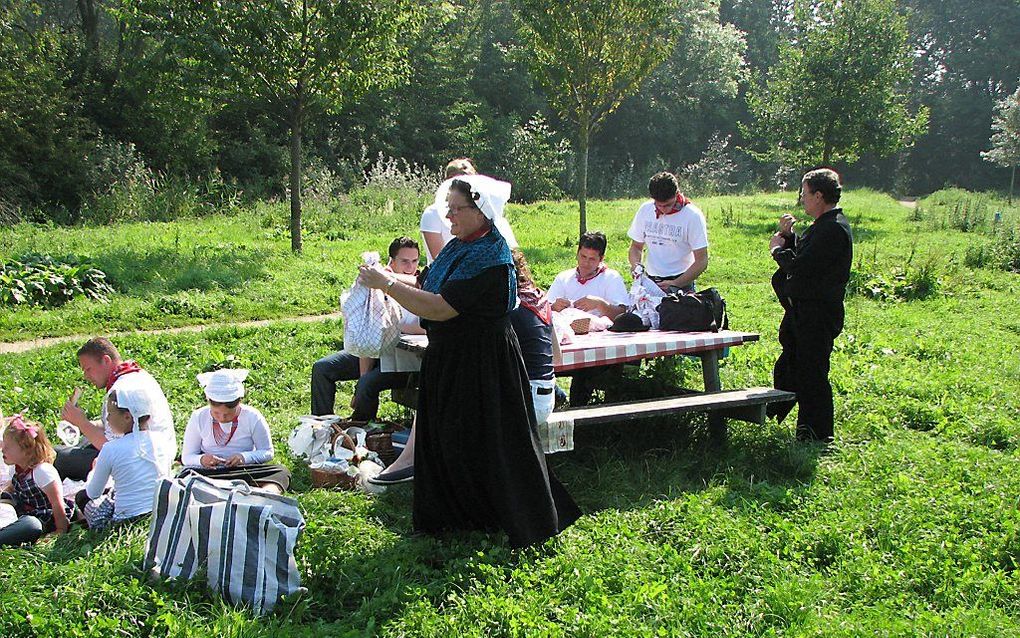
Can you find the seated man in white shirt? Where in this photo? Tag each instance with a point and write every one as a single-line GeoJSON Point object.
{"type": "Point", "coordinates": [103, 367]}
{"type": "Point", "coordinates": [591, 287]}
{"type": "Point", "coordinates": [343, 366]}
{"type": "Point", "coordinates": [675, 234]}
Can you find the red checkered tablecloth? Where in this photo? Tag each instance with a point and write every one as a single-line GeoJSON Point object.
{"type": "Point", "coordinates": [606, 348]}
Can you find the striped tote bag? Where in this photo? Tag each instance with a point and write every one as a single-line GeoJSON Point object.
{"type": "Point", "coordinates": [242, 538]}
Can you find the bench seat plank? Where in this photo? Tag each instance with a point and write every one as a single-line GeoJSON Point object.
{"type": "Point", "coordinates": [732, 403]}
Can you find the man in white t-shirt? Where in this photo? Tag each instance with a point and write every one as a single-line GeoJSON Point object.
{"type": "Point", "coordinates": [674, 232]}
{"type": "Point", "coordinates": [344, 366]}
{"type": "Point", "coordinates": [103, 367]}
{"type": "Point", "coordinates": [591, 287]}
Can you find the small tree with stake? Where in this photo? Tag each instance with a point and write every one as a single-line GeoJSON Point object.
{"type": "Point", "coordinates": [590, 55]}
{"type": "Point", "coordinates": [1005, 138]}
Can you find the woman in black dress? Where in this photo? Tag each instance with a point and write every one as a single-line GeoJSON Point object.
{"type": "Point", "coordinates": [478, 463]}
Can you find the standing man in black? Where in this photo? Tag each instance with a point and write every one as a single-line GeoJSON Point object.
{"type": "Point", "coordinates": [814, 268]}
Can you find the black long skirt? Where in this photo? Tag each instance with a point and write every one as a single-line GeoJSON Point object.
{"type": "Point", "coordinates": [478, 462]}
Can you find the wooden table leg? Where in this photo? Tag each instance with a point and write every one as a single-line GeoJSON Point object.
{"type": "Point", "coordinates": [710, 372]}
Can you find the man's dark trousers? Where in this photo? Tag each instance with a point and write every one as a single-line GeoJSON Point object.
{"type": "Point", "coordinates": [806, 334]}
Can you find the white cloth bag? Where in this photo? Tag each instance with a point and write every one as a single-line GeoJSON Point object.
{"type": "Point", "coordinates": [371, 318]}
{"type": "Point", "coordinates": [243, 537]}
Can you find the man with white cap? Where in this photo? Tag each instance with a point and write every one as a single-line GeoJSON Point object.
{"type": "Point", "coordinates": [229, 440]}
{"type": "Point", "coordinates": [103, 367]}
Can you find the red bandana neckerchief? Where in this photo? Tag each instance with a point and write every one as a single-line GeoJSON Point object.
{"type": "Point", "coordinates": [478, 234]}
{"type": "Point", "coordinates": [221, 437]}
{"type": "Point", "coordinates": [536, 301]}
{"type": "Point", "coordinates": [583, 280]}
{"type": "Point", "coordinates": [125, 367]}
{"type": "Point", "coordinates": [681, 201]}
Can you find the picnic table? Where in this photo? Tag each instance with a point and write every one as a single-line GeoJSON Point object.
{"type": "Point", "coordinates": [598, 349]}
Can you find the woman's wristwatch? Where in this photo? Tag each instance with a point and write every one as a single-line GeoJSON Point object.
{"type": "Point", "coordinates": [389, 285]}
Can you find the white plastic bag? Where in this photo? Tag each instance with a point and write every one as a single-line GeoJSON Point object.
{"type": "Point", "coordinates": [371, 318]}
{"type": "Point", "coordinates": [645, 296]}
{"type": "Point", "coordinates": [310, 439]}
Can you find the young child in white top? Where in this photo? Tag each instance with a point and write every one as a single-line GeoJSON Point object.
{"type": "Point", "coordinates": [229, 440]}
{"type": "Point", "coordinates": [35, 490]}
{"type": "Point", "coordinates": [134, 460]}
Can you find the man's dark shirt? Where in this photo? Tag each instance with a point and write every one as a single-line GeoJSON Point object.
{"type": "Point", "coordinates": [816, 265]}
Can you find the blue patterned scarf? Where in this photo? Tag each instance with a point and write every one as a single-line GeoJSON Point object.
{"type": "Point", "coordinates": [460, 260]}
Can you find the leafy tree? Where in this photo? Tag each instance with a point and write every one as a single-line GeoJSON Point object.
{"type": "Point", "coordinates": [303, 57]}
{"type": "Point", "coordinates": [680, 107]}
{"type": "Point", "coordinates": [590, 55]}
{"type": "Point", "coordinates": [1006, 137]}
{"type": "Point", "coordinates": [839, 89]}
{"type": "Point", "coordinates": [966, 60]}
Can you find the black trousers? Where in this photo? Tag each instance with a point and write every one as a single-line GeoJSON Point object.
{"type": "Point", "coordinates": [807, 333]}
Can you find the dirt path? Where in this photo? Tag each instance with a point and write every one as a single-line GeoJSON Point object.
{"type": "Point", "coordinates": [31, 344]}
{"type": "Point", "coordinates": [909, 203]}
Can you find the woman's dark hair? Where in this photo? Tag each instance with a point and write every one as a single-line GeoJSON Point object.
{"type": "Point", "coordinates": [593, 240]}
{"type": "Point", "coordinates": [663, 186]}
{"type": "Point", "coordinates": [228, 404]}
{"type": "Point", "coordinates": [525, 279]}
{"type": "Point", "coordinates": [826, 182]}
{"type": "Point", "coordinates": [402, 242]}
{"type": "Point", "coordinates": [464, 189]}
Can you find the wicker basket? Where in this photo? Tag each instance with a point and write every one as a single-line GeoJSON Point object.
{"type": "Point", "coordinates": [381, 442]}
{"type": "Point", "coordinates": [330, 478]}
{"type": "Point", "coordinates": [580, 326]}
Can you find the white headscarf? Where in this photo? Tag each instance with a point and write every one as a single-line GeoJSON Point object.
{"type": "Point", "coordinates": [135, 399]}
{"type": "Point", "coordinates": [493, 194]}
{"type": "Point", "coordinates": [223, 386]}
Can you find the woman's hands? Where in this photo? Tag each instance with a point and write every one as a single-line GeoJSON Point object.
{"type": "Point", "coordinates": [211, 460]}
{"type": "Point", "coordinates": [373, 276]}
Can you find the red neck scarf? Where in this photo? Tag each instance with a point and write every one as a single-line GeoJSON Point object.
{"type": "Point", "coordinates": [124, 367]}
{"type": "Point", "coordinates": [478, 234]}
{"type": "Point", "coordinates": [221, 437]}
{"type": "Point", "coordinates": [537, 302]}
{"type": "Point", "coordinates": [681, 201]}
{"type": "Point", "coordinates": [583, 280]}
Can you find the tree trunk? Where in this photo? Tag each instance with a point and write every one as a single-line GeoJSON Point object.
{"type": "Point", "coordinates": [1012, 180]}
{"type": "Point", "coordinates": [582, 174]}
{"type": "Point", "coordinates": [89, 16]}
{"type": "Point", "coordinates": [296, 122]}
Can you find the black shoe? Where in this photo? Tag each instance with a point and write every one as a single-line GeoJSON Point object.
{"type": "Point", "coordinates": [403, 475]}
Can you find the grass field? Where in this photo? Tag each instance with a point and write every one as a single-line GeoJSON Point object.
{"type": "Point", "coordinates": [907, 526]}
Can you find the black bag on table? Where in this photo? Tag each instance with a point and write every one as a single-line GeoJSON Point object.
{"type": "Point", "coordinates": [702, 311]}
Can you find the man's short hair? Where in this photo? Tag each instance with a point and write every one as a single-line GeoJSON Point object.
{"type": "Point", "coordinates": [826, 182]}
{"type": "Point", "coordinates": [97, 347]}
{"type": "Point", "coordinates": [663, 186]}
{"type": "Point", "coordinates": [460, 166]}
{"type": "Point", "coordinates": [402, 242]}
{"type": "Point", "coordinates": [594, 240]}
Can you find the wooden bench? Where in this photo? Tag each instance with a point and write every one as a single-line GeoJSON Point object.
{"type": "Point", "coordinates": [745, 405]}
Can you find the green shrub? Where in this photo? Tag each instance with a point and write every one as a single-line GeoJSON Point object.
{"type": "Point", "coordinates": [901, 284]}
{"type": "Point", "coordinates": [41, 280]}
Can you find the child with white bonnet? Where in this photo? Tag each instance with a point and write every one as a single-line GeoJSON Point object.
{"type": "Point", "coordinates": [133, 463]}
{"type": "Point", "coordinates": [229, 440]}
